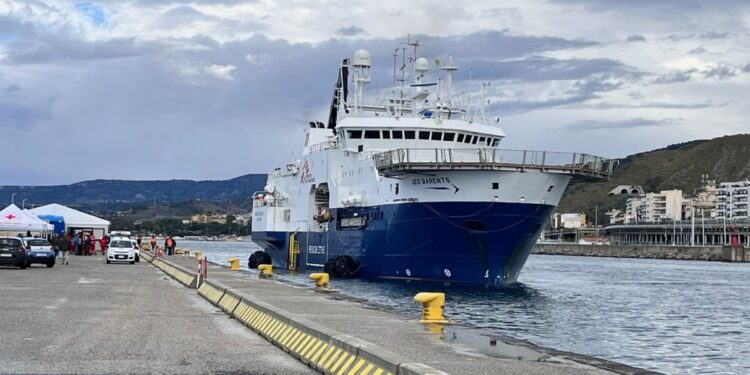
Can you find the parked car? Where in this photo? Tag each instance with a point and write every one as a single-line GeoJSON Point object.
{"type": "Point", "coordinates": [38, 250]}
{"type": "Point", "coordinates": [12, 251]}
{"type": "Point", "coordinates": [121, 250]}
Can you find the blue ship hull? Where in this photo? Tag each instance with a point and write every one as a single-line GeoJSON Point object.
{"type": "Point", "coordinates": [468, 243]}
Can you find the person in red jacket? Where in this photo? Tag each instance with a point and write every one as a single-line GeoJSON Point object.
{"type": "Point", "coordinates": [103, 244]}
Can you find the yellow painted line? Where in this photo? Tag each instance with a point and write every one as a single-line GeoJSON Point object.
{"type": "Point", "coordinates": [277, 325]}
{"type": "Point", "coordinates": [367, 369]}
{"type": "Point", "coordinates": [356, 367]}
{"type": "Point", "coordinates": [289, 337]}
{"type": "Point", "coordinates": [264, 324]}
{"type": "Point", "coordinates": [283, 334]}
{"type": "Point", "coordinates": [278, 331]}
{"type": "Point", "coordinates": [298, 340]}
{"type": "Point", "coordinates": [298, 348]}
{"type": "Point", "coordinates": [378, 371]}
{"type": "Point", "coordinates": [257, 319]}
{"type": "Point", "coordinates": [261, 321]}
{"type": "Point", "coordinates": [335, 355]}
{"type": "Point", "coordinates": [307, 346]}
{"type": "Point", "coordinates": [297, 334]}
{"type": "Point", "coordinates": [252, 315]}
{"type": "Point", "coordinates": [319, 345]}
{"type": "Point", "coordinates": [346, 364]}
{"type": "Point", "coordinates": [341, 360]}
{"type": "Point", "coordinates": [318, 352]}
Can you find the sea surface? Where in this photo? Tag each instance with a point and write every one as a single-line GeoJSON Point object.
{"type": "Point", "coordinates": [675, 317]}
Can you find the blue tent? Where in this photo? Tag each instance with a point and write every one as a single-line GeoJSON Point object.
{"type": "Point", "coordinates": [57, 221]}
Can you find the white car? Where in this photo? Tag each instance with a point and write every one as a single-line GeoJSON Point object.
{"type": "Point", "coordinates": [121, 250]}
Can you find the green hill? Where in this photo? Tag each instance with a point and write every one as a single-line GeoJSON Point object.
{"type": "Point", "coordinates": [677, 166]}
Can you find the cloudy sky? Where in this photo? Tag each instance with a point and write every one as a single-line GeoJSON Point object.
{"type": "Point", "coordinates": [213, 89]}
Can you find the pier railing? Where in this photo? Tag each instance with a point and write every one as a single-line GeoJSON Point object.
{"type": "Point", "coordinates": [580, 166]}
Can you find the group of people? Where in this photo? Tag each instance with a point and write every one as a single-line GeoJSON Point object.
{"type": "Point", "coordinates": [169, 245]}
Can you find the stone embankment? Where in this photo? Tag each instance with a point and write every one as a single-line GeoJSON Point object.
{"type": "Point", "coordinates": [712, 253]}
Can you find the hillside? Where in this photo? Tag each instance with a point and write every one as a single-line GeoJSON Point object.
{"type": "Point", "coordinates": [677, 166]}
{"type": "Point", "coordinates": [120, 193]}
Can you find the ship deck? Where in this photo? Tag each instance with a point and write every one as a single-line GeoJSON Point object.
{"type": "Point", "coordinates": [582, 167]}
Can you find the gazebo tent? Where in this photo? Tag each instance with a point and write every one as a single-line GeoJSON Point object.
{"type": "Point", "coordinates": [13, 219]}
{"type": "Point", "coordinates": [75, 220]}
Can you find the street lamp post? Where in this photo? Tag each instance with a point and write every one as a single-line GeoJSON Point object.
{"type": "Point", "coordinates": [13, 198]}
{"type": "Point", "coordinates": [23, 204]}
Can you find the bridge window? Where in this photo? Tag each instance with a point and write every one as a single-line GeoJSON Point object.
{"type": "Point", "coordinates": [409, 134]}
{"type": "Point", "coordinates": [386, 134]}
{"type": "Point", "coordinates": [495, 142]}
{"type": "Point", "coordinates": [474, 140]}
{"type": "Point", "coordinates": [424, 135]}
{"type": "Point", "coordinates": [449, 137]}
{"type": "Point", "coordinates": [481, 139]}
{"type": "Point", "coordinates": [372, 134]}
{"type": "Point", "coordinates": [437, 136]}
{"type": "Point", "coordinates": [354, 134]}
{"type": "Point", "coordinates": [495, 185]}
{"type": "Point", "coordinates": [398, 134]}
{"type": "Point", "coordinates": [468, 139]}
{"type": "Point", "coordinates": [460, 137]}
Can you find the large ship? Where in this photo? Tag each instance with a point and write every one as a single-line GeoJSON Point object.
{"type": "Point", "coordinates": [414, 186]}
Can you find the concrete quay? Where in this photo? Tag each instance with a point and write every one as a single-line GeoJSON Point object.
{"type": "Point", "coordinates": [338, 335]}
{"type": "Point", "coordinates": [709, 253]}
{"type": "Point", "coordinates": [94, 318]}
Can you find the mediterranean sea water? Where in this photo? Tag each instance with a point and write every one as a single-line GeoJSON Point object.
{"type": "Point", "coordinates": [676, 317]}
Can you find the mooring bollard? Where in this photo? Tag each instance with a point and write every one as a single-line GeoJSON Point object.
{"type": "Point", "coordinates": [266, 270]}
{"type": "Point", "coordinates": [234, 264]}
{"type": "Point", "coordinates": [432, 307]}
{"type": "Point", "coordinates": [197, 254]}
{"type": "Point", "coordinates": [322, 281]}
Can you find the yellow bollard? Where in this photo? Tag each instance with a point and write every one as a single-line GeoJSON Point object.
{"type": "Point", "coordinates": [234, 264]}
{"type": "Point", "coordinates": [178, 250]}
{"type": "Point", "coordinates": [321, 279]}
{"type": "Point", "coordinates": [432, 307]}
{"type": "Point", "coordinates": [266, 270]}
{"type": "Point", "coordinates": [198, 254]}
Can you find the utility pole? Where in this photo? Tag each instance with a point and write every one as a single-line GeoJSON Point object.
{"type": "Point", "coordinates": [703, 228]}
{"type": "Point", "coordinates": [13, 198]}
{"type": "Point", "coordinates": [692, 223]}
{"type": "Point", "coordinates": [23, 204]}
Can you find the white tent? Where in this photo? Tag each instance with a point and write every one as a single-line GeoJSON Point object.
{"type": "Point", "coordinates": [75, 219]}
{"type": "Point", "coordinates": [13, 219]}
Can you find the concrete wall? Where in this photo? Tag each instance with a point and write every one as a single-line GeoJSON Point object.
{"type": "Point", "coordinates": [715, 253]}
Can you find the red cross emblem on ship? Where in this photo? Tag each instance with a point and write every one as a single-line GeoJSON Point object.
{"type": "Point", "coordinates": [10, 216]}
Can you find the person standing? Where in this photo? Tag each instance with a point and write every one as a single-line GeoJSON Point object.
{"type": "Point", "coordinates": [152, 242]}
{"type": "Point", "coordinates": [138, 241]}
{"type": "Point", "coordinates": [77, 245]}
{"type": "Point", "coordinates": [86, 245]}
{"type": "Point", "coordinates": [103, 244]}
{"type": "Point", "coordinates": [64, 244]}
{"type": "Point", "coordinates": [169, 245]}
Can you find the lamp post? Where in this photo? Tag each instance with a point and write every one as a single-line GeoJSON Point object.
{"type": "Point", "coordinates": [13, 198]}
{"type": "Point", "coordinates": [23, 204]}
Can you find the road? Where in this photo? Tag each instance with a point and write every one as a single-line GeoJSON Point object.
{"type": "Point", "coordinates": [94, 318]}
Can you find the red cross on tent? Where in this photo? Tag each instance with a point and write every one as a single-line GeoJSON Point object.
{"type": "Point", "coordinates": [10, 216]}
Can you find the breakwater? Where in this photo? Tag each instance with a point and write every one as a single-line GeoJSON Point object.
{"type": "Point", "coordinates": [709, 253]}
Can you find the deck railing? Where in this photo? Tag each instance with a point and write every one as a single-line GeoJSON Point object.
{"type": "Point", "coordinates": [413, 159]}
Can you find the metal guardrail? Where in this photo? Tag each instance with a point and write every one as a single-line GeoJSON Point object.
{"type": "Point", "coordinates": [582, 166]}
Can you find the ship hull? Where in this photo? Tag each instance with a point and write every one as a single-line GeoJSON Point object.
{"type": "Point", "coordinates": [464, 243]}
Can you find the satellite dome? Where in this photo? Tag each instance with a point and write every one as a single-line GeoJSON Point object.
{"type": "Point", "coordinates": [421, 65]}
{"type": "Point", "coordinates": [361, 58]}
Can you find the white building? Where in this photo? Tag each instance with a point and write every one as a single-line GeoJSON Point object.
{"type": "Point", "coordinates": [654, 207]}
{"type": "Point", "coordinates": [732, 200]}
{"type": "Point", "coordinates": [570, 220]}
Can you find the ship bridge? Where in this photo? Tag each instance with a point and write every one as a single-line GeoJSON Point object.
{"type": "Point", "coordinates": [582, 167]}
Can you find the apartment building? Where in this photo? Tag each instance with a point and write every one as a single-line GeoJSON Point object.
{"type": "Point", "coordinates": [732, 200]}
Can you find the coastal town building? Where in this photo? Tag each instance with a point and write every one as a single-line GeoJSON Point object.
{"type": "Point", "coordinates": [569, 220]}
{"type": "Point", "coordinates": [732, 200]}
{"type": "Point", "coordinates": [205, 219]}
{"type": "Point", "coordinates": [654, 207]}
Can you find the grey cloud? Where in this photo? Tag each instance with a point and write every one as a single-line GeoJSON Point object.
{"type": "Point", "coordinates": [746, 68]}
{"type": "Point", "coordinates": [20, 116]}
{"type": "Point", "coordinates": [581, 91]}
{"type": "Point", "coordinates": [697, 51]}
{"type": "Point", "coordinates": [350, 31]}
{"type": "Point", "coordinates": [720, 71]}
{"type": "Point", "coordinates": [625, 124]}
{"type": "Point", "coordinates": [539, 68]}
{"type": "Point", "coordinates": [710, 35]}
{"type": "Point", "coordinates": [636, 38]}
{"type": "Point", "coordinates": [659, 105]}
